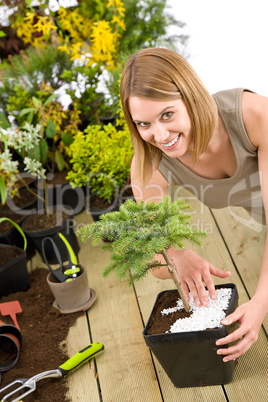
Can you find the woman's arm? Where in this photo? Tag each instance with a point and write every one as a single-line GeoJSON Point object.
{"type": "Point", "coordinates": [193, 271]}
{"type": "Point", "coordinates": [251, 314]}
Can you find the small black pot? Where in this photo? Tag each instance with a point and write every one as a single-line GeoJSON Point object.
{"type": "Point", "coordinates": [66, 228]}
{"type": "Point", "coordinates": [14, 275]}
{"type": "Point", "coordinates": [10, 345]}
{"type": "Point", "coordinates": [190, 358]}
{"type": "Point", "coordinates": [11, 236]}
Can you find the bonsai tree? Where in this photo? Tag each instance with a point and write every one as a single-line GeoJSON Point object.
{"type": "Point", "coordinates": [141, 231]}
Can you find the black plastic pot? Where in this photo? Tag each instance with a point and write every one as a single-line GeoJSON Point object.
{"type": "Point", "coordinates": [66, 228]}
{"type": "Point", "coordinates": [11, 236]}
{"type": "Point", "coordinates": [10, 345]}
{"type": "Point", "coordinates": [190, 358]}
{"type": "Point", "coordinates": [14, 275]}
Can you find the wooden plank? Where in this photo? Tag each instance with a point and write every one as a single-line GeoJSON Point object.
{"type": "Point", "coordinates": [247, 375]}
{"type": "Point", "coordinates": [125, 369]}
{"type": "Point", "coordinates": [82, 383]}
{"type": "Point", "coordinates": [246, 244]}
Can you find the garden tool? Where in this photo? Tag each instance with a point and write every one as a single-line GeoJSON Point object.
{"type": "Point", "coordinates": [11, 308]}
{"type": "Point", "coordinates": [26, 386]}
{"type": "Point", "coordinates": [62, 274]}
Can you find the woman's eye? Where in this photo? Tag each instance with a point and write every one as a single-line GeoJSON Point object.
{"type": "Point", "coordinates": [167, 115]}
{"type": "Point", "coordinates": [142, 124]}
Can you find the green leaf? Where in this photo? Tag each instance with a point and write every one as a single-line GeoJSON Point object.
{"type": "Point", "coordinates": [59, 160]}
{"type": "Point", "coordinates": [35, 153]}
{"type": "Point", "coordinates": [4, 139]}
{"type": "Point", "coordinates": [3, 190]}
{"type": "Point", "coordinates": [30, 117]}
{"type": "Point", "coordinates": [50, 99]}
{"type": "Point", "coordinates": [67, 138]}
{"type": "Point", "coordinates": [36, 101]}
{"type": "Point", "coordinates": [4, 123]}
{"type": "Point", "coordinates": [18, 228]}
{"type": "Point", "coordinates": [51, 129]}
{"type": "Point", "coordinates": [43, 151]}
{"type": "Point", "coordinates": [2, 34]}
{"type": "Point", "coordinates": [27, 110]}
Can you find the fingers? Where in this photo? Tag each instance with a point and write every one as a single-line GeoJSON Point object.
{"type": "Point", "coordinates": [235, 351]}
{"type": "Point", "coordinates": [219, 273]}
{"type": "Point", "coordinates": [245, 335]}
{"type": "Point", "coordinates": [210, 286]}
{"type": "Point", "coordinates": [186, 289]}
{"type": "Point", "coordinates": [198, 292]}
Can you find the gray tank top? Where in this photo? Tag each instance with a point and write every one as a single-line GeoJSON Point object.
{"type": "Point", "coordinates": [242, 189]}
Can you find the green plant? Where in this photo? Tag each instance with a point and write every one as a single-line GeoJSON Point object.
{"type": "Point", "coordinates": [30, 145]}
{"type": "Point", "coordinates": [8, 170]}
{"type": "Point", "coordinates": [22, 75]}
{"type": "Point", "coordinates": [18, 228]}
{"type": "Point", "coordinates": [139, 232]}
{"type": "Point", "coordinates": [100, 156]}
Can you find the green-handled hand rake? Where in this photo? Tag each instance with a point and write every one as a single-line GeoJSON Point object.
{"type": "Point", "coordinates": [26, 386]}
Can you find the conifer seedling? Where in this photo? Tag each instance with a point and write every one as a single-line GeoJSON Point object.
{"type": "Point", "coordinates": [138, 232]}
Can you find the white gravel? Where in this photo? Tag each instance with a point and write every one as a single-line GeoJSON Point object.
{"type": "Point", "coordinates": [202, 318]}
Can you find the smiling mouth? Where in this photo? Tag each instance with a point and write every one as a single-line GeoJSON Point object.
{"type": "Point", "coordinates": [169, 144]}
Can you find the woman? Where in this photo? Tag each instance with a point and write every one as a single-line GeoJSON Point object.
{"type": "Point", "coordinates": [214, 145]}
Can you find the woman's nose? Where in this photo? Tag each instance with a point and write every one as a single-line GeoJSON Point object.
{"type": "Point", "coordinates": [160, 133]}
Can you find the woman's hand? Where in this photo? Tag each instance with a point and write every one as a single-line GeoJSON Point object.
{"type": "Point", "coordinates": [250, 318]}
{"type": "Point", "coordinates": [194, 274]}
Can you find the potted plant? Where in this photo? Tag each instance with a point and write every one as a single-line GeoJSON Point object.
{"type": "Point", "coordinates": [144, 231]}
{"type": "Point", "coordinates": [13, 267]}
{"type": "Point", "coordinates": [100, 161]}
{"type": "Point", "coordinates": [11, 194]}
{"type": "Point", "coordinates": [28, 142]}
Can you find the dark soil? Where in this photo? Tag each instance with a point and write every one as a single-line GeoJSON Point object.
{"type": "Point", "coordinates": [44, 330]}
{"type": "Point", "coordinates": [25, 181]}
{"type": "Point", "coordinates": [99, 203]}
{"type": "Point", "coordinates": [9, 254]}
{"type": "Point", "coordinates": [24, 198]}
{"type": "Point", "coordinates": [5, 226]}
{"type": "Point", "coordinates": [42, 221]}
{"type": "Point", "coordinates": [160, 324]}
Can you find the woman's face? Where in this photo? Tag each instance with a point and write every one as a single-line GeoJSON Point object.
{"type": "Point", "coordinates": [164, 124]}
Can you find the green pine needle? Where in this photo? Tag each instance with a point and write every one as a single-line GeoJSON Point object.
{"type": "Point", "coordinates": [140, 231]}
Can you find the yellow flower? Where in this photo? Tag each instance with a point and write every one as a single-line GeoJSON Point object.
{"type": "Point", "coordinates": [119, 21]}
{"type": "Point", "coordinates": [103, 42]}
{"type": "Point", "coordinates": [64, 48]}
{"type": "Point", "coordinates": [118, 5]}
{"type": "Point", "coordinates": [44, 25]}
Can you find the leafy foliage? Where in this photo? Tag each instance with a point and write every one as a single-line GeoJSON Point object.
{"type": "Point", "coordinates": [140, 231]}
{"type": "Point", "coordinates": [100, 156]}
{"type": "Point", "coordinates": [148, 23]}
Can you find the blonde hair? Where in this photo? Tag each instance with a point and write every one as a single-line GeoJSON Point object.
{"type": "Point", "coordinates": [162, 74]}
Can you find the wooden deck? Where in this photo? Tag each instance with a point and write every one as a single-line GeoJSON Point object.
{"type": "Point", "coordinates": [126, 370]}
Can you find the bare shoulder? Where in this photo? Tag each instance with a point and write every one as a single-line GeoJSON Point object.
{"type": "Point", "coordinates": [255, 117]}
{"type": "Point", "coordinates": [154, 190]}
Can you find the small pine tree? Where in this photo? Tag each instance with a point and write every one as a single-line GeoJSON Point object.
{"type": "Point", "coordinates": [140, 231]}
